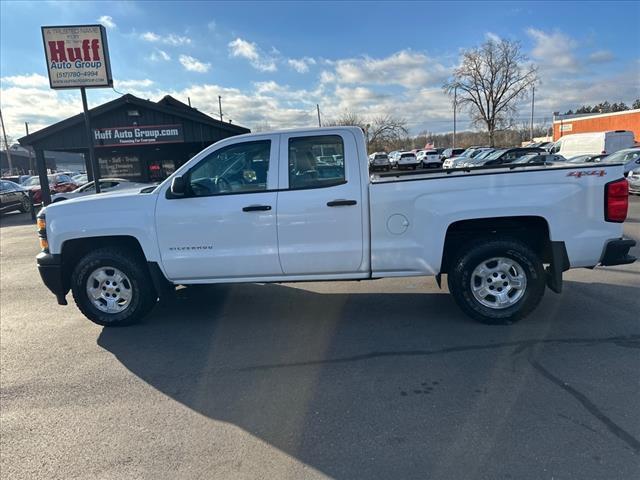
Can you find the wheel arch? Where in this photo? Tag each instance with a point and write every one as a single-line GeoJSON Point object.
{"type": "Point", "coordinates": [533, 231]}
{"type": "Point", "coordinates": [74, 249]}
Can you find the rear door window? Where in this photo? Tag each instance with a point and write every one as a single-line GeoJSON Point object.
{"type": "Point", "coordinates": [316, 162]}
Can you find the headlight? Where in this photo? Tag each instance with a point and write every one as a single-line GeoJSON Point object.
{"type": "Point", "coordinates": [41, 223]}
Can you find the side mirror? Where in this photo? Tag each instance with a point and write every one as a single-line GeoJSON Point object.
{"type": "Point", "coordinates": [178, 186]}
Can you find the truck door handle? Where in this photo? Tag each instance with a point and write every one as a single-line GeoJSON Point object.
{"type": "Point", "coordinates": [256, 208]}
{"type": "Point", "coordinates": [341, 203]}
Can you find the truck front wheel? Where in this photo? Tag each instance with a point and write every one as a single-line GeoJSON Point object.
{"type": "Point", "coordinates": [497, 281]}
{"type": "Point", "coordinates": [111, 287]}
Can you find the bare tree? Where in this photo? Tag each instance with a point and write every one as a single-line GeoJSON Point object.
{"type": "Point", "coordinates": [386, 129]}
{"type": "Point", "coordinates": [381, 131]}
{"type": "Point", "coordinates": [490, 81]}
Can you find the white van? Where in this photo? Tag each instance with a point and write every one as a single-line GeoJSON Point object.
{"type": "Point", "coordinates": [593, 143]}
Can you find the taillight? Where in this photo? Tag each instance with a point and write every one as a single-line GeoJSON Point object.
{"type": "Point", "coordinates": [616, 201]}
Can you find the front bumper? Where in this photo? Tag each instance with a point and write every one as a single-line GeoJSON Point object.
{"type": "Point", "coordinates": [616, 252]}
{"type": "Point", "coordinates": [50, 268]}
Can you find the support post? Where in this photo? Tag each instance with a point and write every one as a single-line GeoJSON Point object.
{"type": "Point", "coordinates": [45, 189]}
{"type": "Point", "coordinates": [318, 109]}
{"type": "Point", "coordinates": [92, 154]}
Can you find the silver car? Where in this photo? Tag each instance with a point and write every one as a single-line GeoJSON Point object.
{"type": "Point", "coordinates": [106, 185]}
{"type": "Point", "coordinates": [633, 179]}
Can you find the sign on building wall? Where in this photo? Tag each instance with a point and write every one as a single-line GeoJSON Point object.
{"type": "Point", "coordinates": [566, 127]}
{"type": "Point", "coordinates": [77, 56]}
{"type": "Point", "coordinates": [143, 135]}
{"type": "Point", "coordinates": [120, 166]}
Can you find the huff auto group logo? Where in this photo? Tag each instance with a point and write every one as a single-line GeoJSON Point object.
{"type": "Point", "coordinates": [587, 173]}
{"type": "Point", "coordinates": [87, 56]}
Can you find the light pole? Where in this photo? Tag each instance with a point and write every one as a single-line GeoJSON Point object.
{"type": "Point", "coordinates": [533, 97]}
{"type": "Point", "coordinates": [455, 104]}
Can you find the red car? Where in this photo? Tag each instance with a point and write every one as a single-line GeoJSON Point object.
{"type": "Point", "coordinates": [58, 183]}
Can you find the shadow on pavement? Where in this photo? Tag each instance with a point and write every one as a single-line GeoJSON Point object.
{"type": "Point", "coordinates": [15, 219]}
{"type": "Point", "coordinates": [355, 385]}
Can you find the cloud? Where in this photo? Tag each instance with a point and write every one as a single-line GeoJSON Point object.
{"type": "Point", "coordinates": [301, 65]}
{"type": "Point", "coordinates": [145, 83]}
{"type": "Point", "coordinates": [601, 56]}
{"type": "Point", "coordinates": [34, 80]}
{"type": "Point", "coordinates": [107, 21]}
{"type": "Point", "coordinates": [555, 49]}
{"type": "Point", "coordinates": [159, 55]}
{"type": "Point", "coordinates": [192, 64]}
{"type": "Point", "coordinates": [406, 68]}
{"type": "Point", "coordinates": [170, 39]}
{"type": "Point", "coordinates": [248, 50]}
{"type": "Point", "coordinates": [212, 25]}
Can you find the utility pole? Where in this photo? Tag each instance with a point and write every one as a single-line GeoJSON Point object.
{"type": "Point", "coordinates": [6, 145]}
{"type": "Point", "coordinates": [318, 109]}
{"type": "Point", "coordinates": [533, 99]}
{"type": "Point", "coordinates": [220, 106]}
{"type": "Point", "coordinates": [455, 104]}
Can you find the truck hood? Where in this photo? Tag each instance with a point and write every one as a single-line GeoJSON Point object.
{"type": "Point", "coordinates": [117, 201]}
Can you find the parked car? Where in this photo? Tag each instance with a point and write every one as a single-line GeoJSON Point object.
{"type": "Point", "coordinates": [630, 157]}
{"type": "Point", "coordinates": [80, 179]}
{"type": "Point", "coordinates": [452, 152]}
{"type": "Point", "coordinates": [19, 179]}
{"type": "Point", "coordinates": [586, 158]}
{"type": "Point", "coordinates": [593, 143]}
{"type": "Point", "coordinates": [408, 160]}
{"type": "Point", "coordinates": [429, 159]}
{"type": "Point", "coordinates": [469, 153]}
{"type": "Point", "coordinates": [58, 183]}
{"type": "Point", "coordinates": [393, 158]}
{"type": "Point", "coordinates": [13, 197]}
{"type": "Point", "coordinates": [535, 158]}
{"type": "Point", "coordinates": [380, 161]}
{"type": "Point", "coordinates": [207, 223]}
{"type": "Point", "coordinates": [508, 155]}
{"type": "Point", "coordinates": [106, 185]}
{"type": "Point", "coordinates": [633, 179]}
{"type": "Point", "coordinates": [466, 162]}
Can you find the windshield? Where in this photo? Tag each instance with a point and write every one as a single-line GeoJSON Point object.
{"type": "Point", "coordinates": [32, 182]}
{"type": "Point", "coordinates": [495, 155]}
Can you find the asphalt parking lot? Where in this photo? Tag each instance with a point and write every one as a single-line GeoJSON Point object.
{"type": "Point", "coordinates": [383, 379]}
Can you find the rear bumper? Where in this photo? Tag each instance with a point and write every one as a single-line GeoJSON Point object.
{"type": "Point", "coordinates": [616, 252]}
{"type": "Point", "coordinates": [50, 268]}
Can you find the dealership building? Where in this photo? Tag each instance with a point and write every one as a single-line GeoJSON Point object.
{"type": "Point", "coordinates": [135, 139]}
{"type": "Point", "coordinates": [597, 122]}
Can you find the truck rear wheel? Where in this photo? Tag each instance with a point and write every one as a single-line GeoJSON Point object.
{"type": "Point", "coordinates": [112, 287]}
{"type": "Point", "coordinates": [497, 281]}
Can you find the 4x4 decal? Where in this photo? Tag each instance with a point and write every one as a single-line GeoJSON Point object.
{"type": "Point", "coordinates": [584, 173]}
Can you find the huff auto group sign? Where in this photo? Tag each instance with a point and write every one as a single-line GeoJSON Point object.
{"type": "Point", "coordinates": [132, 136]}
{"type": "Point", "coordinates": [77, 56]}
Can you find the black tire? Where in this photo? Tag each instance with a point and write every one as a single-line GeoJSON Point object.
{"type": "Point", "coordinates": [25, 206]}
{"type": "Point", "coordinates": [460, 272]}
{"type": "Point", "coordinates": [144, 296]}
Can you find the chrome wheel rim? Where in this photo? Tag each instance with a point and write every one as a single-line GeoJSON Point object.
{"type": "Point", "coordinates": [498, 282]}
{"type": "Point", "coordinates": [109, 290]}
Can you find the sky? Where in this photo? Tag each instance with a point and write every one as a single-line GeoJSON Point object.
{"type": "Point", "coordinates": [272, 62]}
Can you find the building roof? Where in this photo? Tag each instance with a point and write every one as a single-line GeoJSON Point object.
{"type": "Point", "coordinates": [584, 116]}
{"type": "Point", "coordinates": [168, 105]}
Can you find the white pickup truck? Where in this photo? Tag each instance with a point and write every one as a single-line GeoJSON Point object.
{"type": "Point", "coordinates": [300, 205]}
